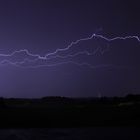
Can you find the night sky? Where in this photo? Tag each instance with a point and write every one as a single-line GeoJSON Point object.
{"type": "Point", "coordinates": [37, 58]}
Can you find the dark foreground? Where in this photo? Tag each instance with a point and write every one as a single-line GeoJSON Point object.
{"type": "Point", "coordinates": [58, 112]}
{"type": "Point", "coordinates": [98, 133]}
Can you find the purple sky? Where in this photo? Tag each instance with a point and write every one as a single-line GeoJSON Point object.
{"type": "Point", "coordinates": [99, 63]}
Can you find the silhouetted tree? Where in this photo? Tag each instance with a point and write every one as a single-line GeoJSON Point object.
{"type": "Point", "coordinates": [133, 97]}
{"type": "Point", "coordinates": [2, 103]}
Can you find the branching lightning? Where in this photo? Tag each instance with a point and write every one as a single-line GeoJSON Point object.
{"type": "Point", "coordinates": [33, 58]}
{"type": "Point", "coordinates": [89, 38]}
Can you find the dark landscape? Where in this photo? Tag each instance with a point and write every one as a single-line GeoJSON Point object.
{"type": "Point", "coordinates": [70, 112]}
{"type": "Point", "coordinates": [59, 118]}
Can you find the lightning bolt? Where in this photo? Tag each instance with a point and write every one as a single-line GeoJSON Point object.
{"type": "Point", "coordinates": [90, 38]}
{"type": "Point", "coordinates": [19, 64]}
{"type": "Point", "coordinates": [54, 55]}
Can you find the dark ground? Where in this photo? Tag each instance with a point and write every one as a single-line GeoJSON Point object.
{"type": "Point", "coordinates": [70, 112]}
{"type": "Point", "coordinates": [59, 118]}
{"type": "Point", "coordinates": [94, 133]}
